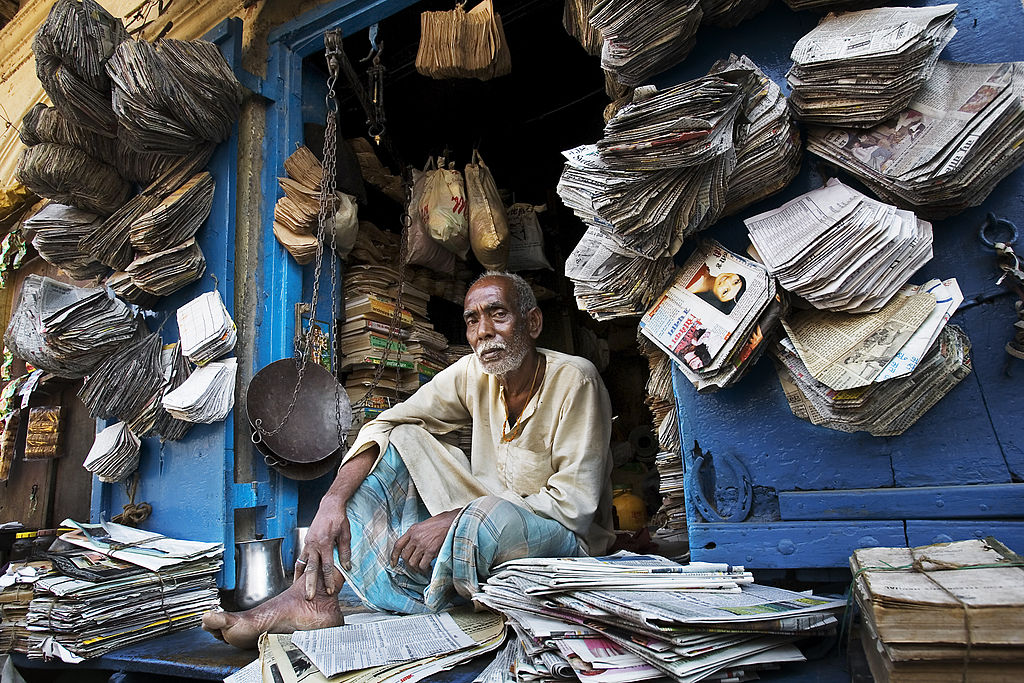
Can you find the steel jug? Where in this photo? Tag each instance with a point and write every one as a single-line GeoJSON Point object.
{"type": "Point", "coordinates": [259, 573]}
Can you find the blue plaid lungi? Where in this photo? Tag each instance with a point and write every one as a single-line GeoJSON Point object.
{"type": "Point", "coordinates": [489, 531]}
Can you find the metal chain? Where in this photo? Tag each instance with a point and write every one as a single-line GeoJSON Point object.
{"type": "Point", "coordinates": [328, 209]}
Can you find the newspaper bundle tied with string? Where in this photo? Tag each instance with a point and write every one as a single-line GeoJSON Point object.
{"type": "Point", "coordinates": [105, 586]}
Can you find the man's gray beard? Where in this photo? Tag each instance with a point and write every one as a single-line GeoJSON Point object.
{"type": "Point", "coordinates": [516, 351]}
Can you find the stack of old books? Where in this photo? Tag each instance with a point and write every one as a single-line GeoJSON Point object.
{"type": "Point", "coordinates": [945, 612]}
{"type": "Point", "coordinates": [389, 347]}
{"type": "Point", "coordinates": [639, 617]}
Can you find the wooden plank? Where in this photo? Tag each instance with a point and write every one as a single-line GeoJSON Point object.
{"type": "Point", "coordinates": [783, 545]}
{"type": "Point", "coordinates": [927, 531]}
{"type": "Point", "coordinates": [922, 502]}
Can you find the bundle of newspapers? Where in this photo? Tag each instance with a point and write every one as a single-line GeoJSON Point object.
{"type": "Point", "coordinates": [948, 149]}
{"type": "Point", "coordinates": [378, 647]}
{"type": "Point", "coordinates": [941, 613]}
{"type": "Point", "coordinates": [58, 229]}
{"type": "Point", "coordinates": [176, 218]}
{"type": "Point", "coordinates": [127, 381]}
{"type": "Point", "coordinates": [67, 330]}
{"type": "Point", "coordinates": [714, 315]}
{"type": "Point", "coordinates": [662, 172]}
{"type": "Point", "coordinates": [205, 328]}
{"type": "Point", "coordinates": [840, 249]}
{"type": "Point", "coordinates": [114, 454]}
{"type": "Point", "coordinates": [642, 39]}
{"type": "Point", "coordinates": [630, 617]}
{"type": "Point", "coordinates": [207, 395]}
{"type": "Point", "coordinates": [876, 372]}
{"type": "Point", "coordinates": [861, 68]}
{"type": "Point", "coordinates": [165, 272]}
{"type": "Point", "coordinates": [118, 586]}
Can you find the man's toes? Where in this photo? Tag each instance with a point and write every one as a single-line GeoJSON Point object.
{"type": "Point", "coordinates": [215, 621]}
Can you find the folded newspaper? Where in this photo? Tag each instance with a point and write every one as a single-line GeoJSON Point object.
{"type": "Point", "coordinates": [840, 249]}
{"type": "Point", "coordinates": [714, 316]}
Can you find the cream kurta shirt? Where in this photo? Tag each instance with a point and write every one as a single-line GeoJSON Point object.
{"type": "Point", "coordinates": [558, 464]}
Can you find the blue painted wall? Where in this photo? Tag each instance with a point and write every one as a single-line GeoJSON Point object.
{"type": "Point", "coordinates": [973, 436]}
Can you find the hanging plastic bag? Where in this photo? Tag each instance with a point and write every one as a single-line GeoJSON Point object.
{"type": "Point", "coordinates": [443, 209]}
{"type": "Point", "coordinates": [526, 239]}
{"type": "Point", "coordinates": [345, 225]}
{"type": "Point", "coordinates": [421, 249]}
{"type": "Point", "coordinates": [488, 225]}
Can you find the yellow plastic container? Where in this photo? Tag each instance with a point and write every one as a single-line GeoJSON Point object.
{"type": "Point", "coordinates": [630, 510]}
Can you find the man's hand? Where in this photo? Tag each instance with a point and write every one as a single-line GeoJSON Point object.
{"type": "Point", "coordinates": [329, 529]}
{"type": "Point", "coordinates": [420, 545]}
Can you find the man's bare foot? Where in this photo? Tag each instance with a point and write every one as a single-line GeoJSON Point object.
{"type": "Point", "coordinates": [287, 612]}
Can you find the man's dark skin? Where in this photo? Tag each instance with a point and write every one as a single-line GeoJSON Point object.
{"type": "Point", "coordinates": [491, 313]}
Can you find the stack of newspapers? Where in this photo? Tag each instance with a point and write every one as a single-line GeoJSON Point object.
{"type": "Point", "coordinates": [941, 613]}
{"type": "Point", "coordinates": [165, 272]}
{"type": "Point", "coordinates": [714, 316]}
{"type": "Point", "coordinates": [378, 647]}
{"type": "Point", "coordinates": [114, 454]}
{"type": "Point", "coordinates": [58, 228]}
{"type": "Point", "coordinates": [861, 68]}
{"type": "Point", "coordinates": [670, 164]}
{"type": "Point", "coordinates": [876, 372]}
{"type": "Point", "coordinates": [126, 382]}
{"type": "Point", "coordinates": [67, 330]}
{"type": "Point", "coordinates": [176, 218]}
{"type": "Point", "coordinates": [630, 617]}
{"type": "Point", "coordinates": [840, 249]}
{"type": "Point", "coordinates": [643, 38]}
{"type": "Point", "coordinates": [117, 587]}
{"type": "Point", "coordinates": [948, 149]}
{"type": "Point", "coordinates": [206, 396]}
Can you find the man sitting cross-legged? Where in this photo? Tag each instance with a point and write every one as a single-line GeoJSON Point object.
{"type": "Point", "coordinates": [416, 525]}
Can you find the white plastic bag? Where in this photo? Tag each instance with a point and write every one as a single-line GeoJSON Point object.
{"type": "Point", "coordinates": [421, 248]}
{"type": "Point", "coordinates": [443, 209]}
{"type": "Point", "coordinates": [526, 239]}
{"type": "Point", "coordinates": [488, 226]}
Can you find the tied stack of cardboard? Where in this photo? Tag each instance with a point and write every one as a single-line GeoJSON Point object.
{"type": "Point", "coordinates": [943, 612]}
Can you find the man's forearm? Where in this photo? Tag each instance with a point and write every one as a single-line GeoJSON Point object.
{"type": "Point", "coordinates": [351, 475]}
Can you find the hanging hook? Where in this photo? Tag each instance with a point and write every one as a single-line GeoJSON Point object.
{"type": "Point", "coordinates": [991, 222]}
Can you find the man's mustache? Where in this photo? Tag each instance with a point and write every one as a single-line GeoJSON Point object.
{"type": "Point", "coordinates": [491, 345]}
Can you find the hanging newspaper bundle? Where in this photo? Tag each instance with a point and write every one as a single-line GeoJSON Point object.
{"type": "Point", "coordinates": [58, 229]}
{"type": "Point", "coordinates": [114, 454]}
{"type": "Point", "coordinates": [71, 49]}
{"type": "Point", "coordinates": [176, 370]}
{"type": "Point", "coordinates": [122, 384]}
{"type": "Point", "coordinates": [70, 176]}
{"type": "Point", "coordinates": [176, 218]}
{"type": "Point", "coordinates": [170, 96]}
{"type": "Point", "coordinates": [47, 124]}
{"type": "Point", "coordinates": [168, 271]}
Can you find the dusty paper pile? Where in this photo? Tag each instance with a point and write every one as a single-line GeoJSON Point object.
{"type": "Point", "coordinates": [935, 613]}
{"type": "Point", "coordinates": [714, 315]}
{"type": "Point", "coordinates": [643, 38]}
{"type": "Point", "coordinates": [126, 382]}
{"type": "Point", "coordinates": [384, 649]}
{"type": "Point", "coordinates": [875, 372]}
{"type": "Point", "coordinates": [461, 44]}
{"type": "Point", "coordinates": [860, 68]}
{"type": "Point", "coordinates": [956, 140]}
{"type": "Point", "coordinates": [165, 272]}
{"type": "Point", "coordinates": [647, 617]}
{"type": "Point", "coordinates": [839, 249]}
{"type": "Point", "coordinates": [99, 599]}
{"type": "Point", "coordinates": [663, 171]}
